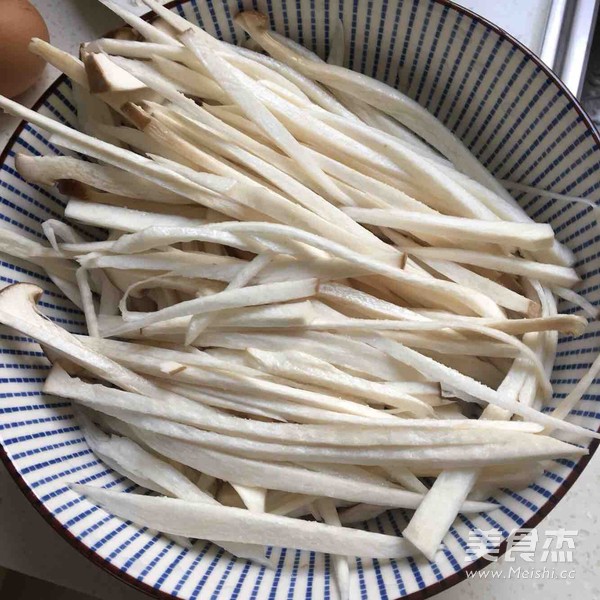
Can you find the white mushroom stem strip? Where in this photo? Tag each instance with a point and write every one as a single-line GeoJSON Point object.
{"type": "Point", "coordinates": [18, 310]}
{"type": "Point", "coordinates": [322, 268]}
{"type": "Point", "coordinates": [543, 343]}
{"type": "Point", "coordinates": [368, 304]}
{"type": "Point", "coordinates": [192, 81]}
{"type": "Point", "coordinates": [311, 131]}
{"type": "Point", "coordinates": [251, 296]}
{"type": "Point", "coordinates": [516, 481]}
{"type": "Point", "coordinates": [119, 157]}
{"type": "Point", "coordinates": [552, 274]}
{"type": "Point", "coordinates": [288, 184]}
{"type": "Point", "coordinates": [253, 497]}
{"type": "Point", "coordinates": [371, 432]}
{"type": "Point", "coordinates": [352, 471]}
{"type": "Point", "coordinates": [235, 234]}
{"type": "Point", "coordinates": [207, 88]}
{"type": "Point", "coordinates": [87, 301]}
{"type": "Point", "coordinates": [189, 443]}
{"type": "Point", "coordinates": [530, 236]}
{"type": "Point", "coordinates": [259, 405]}
{"type": "Point", "coordinates": [142, 464]}
{"type": "Point", "coordinates": [272, 316]}
{"type": "Point", "coordinates": [360, 325]}
{"type": "Point", "coordinates": [337, 350]}
{"type": "Point", "coordinates": [405, 478]}
{"type": "Point", "coordinates": [214, 202]}
{"type": "Point", "coordinates": [505, 207]}
{"type": "Point", "coordinates": [197, 415]}
{"type": "Point", "coordinates": [503, 296]}
{"type": "Point", "coordinates": [216, 400]}
{"type": "Point", "coordinates": [430, 342]}
{"type": "Point", "coordinates": [378, 298]}
{"type": "Point", "coordinates": [379, 120]}
{"type": "Point", "coordinates": [204, 521]}
{"type": "Point", "coordinates": [262, 74]}
{"type": "Point", "coordinates": [138, 49]}
{"type": "Point", "coordinates": [341, 566]}
{"type": "Point", "coordinates": [230, 123]}
{"type": "Point", "coordinates": [224, 137]}
{"type": "Point", "coordinates": [234, 83]}
{"type": "Point", "coordinates": [255, 196]}
{"type": "Point", "coordinates": [199, 323]}
{"type": "Point", "coordinates": [204, 188]}
{"type": "Point", "coordinates": [139, 353]}
{"type": "Point", "coordinates": [207, 265]}
{"type": "Point", "coordinates": [71, 66]}
{"type": "Point", "coordinates": [440, 291]}
{"type": "Point", "coordinates": [361, 512]}
{"type": "Point", "coordinates": [149, 31]}
{"type": "Point", "coordinates": [302, 367]}
{"type": "Point", "coordinates": [271, 390]}
{"type": "Point", "coordinates": [105, 215]}
{"type": "Point", "coordinates": [442, 192]}
{"type": "Point", "coordinates": [18, 245]}
{"type": "Point", "coordinates": [566, 405]}
{"type": "Point", "coordinates": [136, 139]}
{"type": "Point", "coordinates": [571, 324]}
{"type": "Point", "coordinates": [287, 477]}
{"type": "Point", "coordinates": [241, 89]}
{"type": "Point", "coordinates": [312, 90]}
{"type": "Point", "coordinates": [389, 100]}
{"type": "Point", "coordinates": [449, 486]}
{"type": "Point", "coordinates": [48, 170]}
{"type": "Point", "coordinates": [385, 193]}
{"type": "Point", "coordinates": [453, 379]}
{"type": "Point", "coordinates": [375, 93]}
{"type": "Point", "coordinates": [193, 413]}
{"type": "Point", "coordinates": [570, 296]}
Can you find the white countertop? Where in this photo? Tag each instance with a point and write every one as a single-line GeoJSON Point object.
{"type": "Point", "coordinates": [29, 545]}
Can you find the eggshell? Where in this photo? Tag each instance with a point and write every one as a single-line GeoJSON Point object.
{"type": "Point", "coordinates": [19, 69]}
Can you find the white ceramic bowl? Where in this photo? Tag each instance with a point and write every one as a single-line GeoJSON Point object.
{"type": "Point", "coordinates": [515, 116]}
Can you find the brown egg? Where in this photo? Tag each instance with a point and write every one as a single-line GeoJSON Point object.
{"type": "Point", "coordinates": [19, 69]}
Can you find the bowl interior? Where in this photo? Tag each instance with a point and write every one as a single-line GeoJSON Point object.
{"type": "Point", "coordinates": [514, 116]}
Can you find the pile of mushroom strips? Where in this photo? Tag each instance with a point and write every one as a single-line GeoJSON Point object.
{"type": "Point", "coordinates": [306, 297]}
